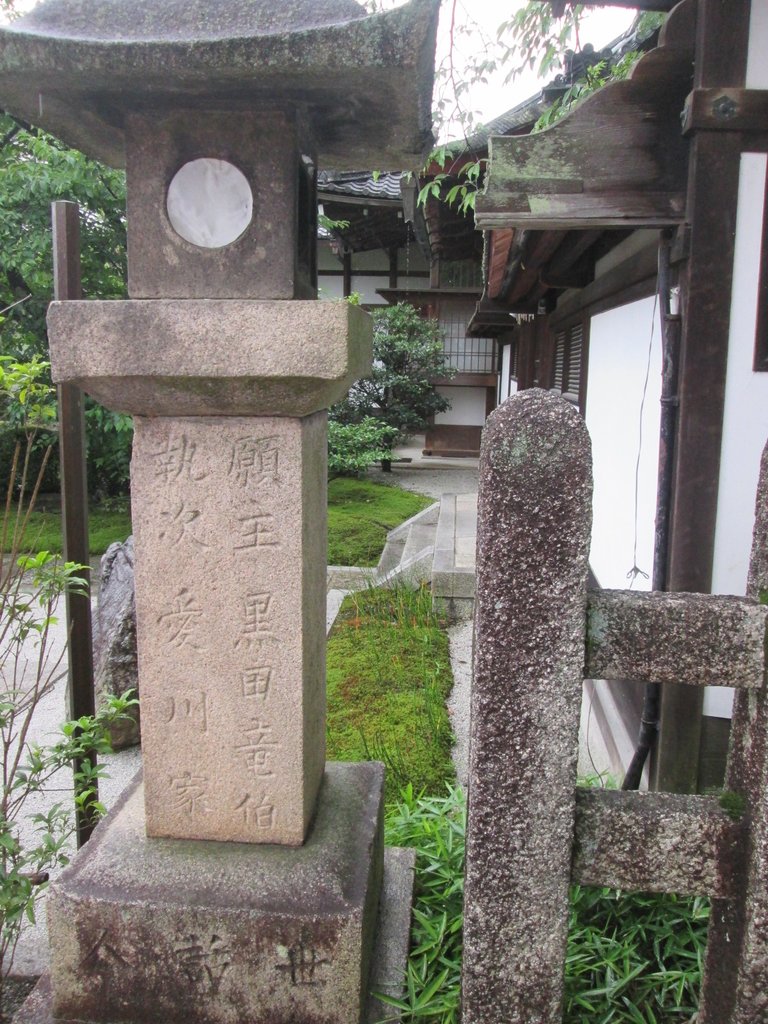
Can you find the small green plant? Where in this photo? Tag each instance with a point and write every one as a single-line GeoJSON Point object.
{"type": "Point", "coordinates": [353, 447]}
{"type": "Point", "coordinates": [32, 586]}
{"type": "Point", "coordinates": [733, 804]}
{"type": "Point", "coordinates": [408, 356]}
{"type": "Point", "coordinates": [435, 827]}
{"type": "Point", "coordinates": [596, 77]}
{"type": "Point", "coordinates": [632, 958]}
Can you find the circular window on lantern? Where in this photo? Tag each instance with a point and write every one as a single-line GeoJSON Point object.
{"type": "Point", "coordinates": [209, 203]}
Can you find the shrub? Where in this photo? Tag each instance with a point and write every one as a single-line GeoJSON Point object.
{"type": "Point", "coordinates": [353, 447]}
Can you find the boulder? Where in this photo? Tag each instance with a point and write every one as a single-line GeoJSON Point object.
{"type": "Point", "coordinates": [114, 638]}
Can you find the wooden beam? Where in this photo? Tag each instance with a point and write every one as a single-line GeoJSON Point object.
{"type": "Point", "coordinates": [726, 109]}
{"type": "Point", "coordinates": [538, 249]}
{"type": "Point", "coordinates": [568, 262]}
{"type": "Point", "coordinates": [500, 245]}
{"type": "Point", "coordinates": [655, 842]}
{"type": "Point", "coordinates": [617, 159]}
{"type": "Point", "coordinates": [635, 277]}
{"type": "Point", "coordinates": [393, 267]}
{"type": "Point", "coordinates": [74, 489]}
{"type": "Point", "coordinates": [347, 274]}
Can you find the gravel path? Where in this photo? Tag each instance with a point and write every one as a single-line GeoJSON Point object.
{"type": "Point", "coordinates": [460, 638]}
{"type": "Point", "coordinates": [431, 479]}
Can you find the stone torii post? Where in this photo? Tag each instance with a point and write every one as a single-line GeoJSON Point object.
{"type": "Point", "coordinates": [243, 885]}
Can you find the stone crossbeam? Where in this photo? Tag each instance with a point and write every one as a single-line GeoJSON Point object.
{"type": "Point", "coordinates": [655, 842]}
{"type": "Point", "coordinates": [698, 639]}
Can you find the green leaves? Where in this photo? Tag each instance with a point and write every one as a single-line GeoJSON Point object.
{"type": "Point", "coordinates": [353, 447]}
{"type": "Point", "coordinates": [35, 170]}
{"type": "Point", "coordinates": [408, 355]}
{"type": "Point", "coordinates": [436, 828]}
{"type": "Point", "coordinates": [598, 75]}
{"type": "Point", "coordinates": [632, 958]}
{"type": "Point", "coordinates": [536, 38]}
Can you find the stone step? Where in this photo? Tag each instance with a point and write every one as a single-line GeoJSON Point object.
{"type": "Point", "coordinates": [419, 538]}
{"type": "Point", "coordinates": [453, 571]}
{"type": "Point", "coordinates": [392, 554]}
{"type": "Point", "coordinates": [397, 539]}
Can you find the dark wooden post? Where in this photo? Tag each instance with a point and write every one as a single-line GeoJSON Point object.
{"type": "Point", "coordinates": [735, 986]}
{"type": "Point", "coordinates": [721, 48]}
{"type": "Point", "coordinates": [74, 489]}
{"type": "Point", "coordinates": [535, 515]}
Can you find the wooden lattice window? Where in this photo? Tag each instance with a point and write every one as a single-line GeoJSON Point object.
{"type": "Point", "coordinates": [569, 350]}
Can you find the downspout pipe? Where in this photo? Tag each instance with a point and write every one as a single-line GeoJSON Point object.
{"type": "Point", "coordinates": [670, 341]}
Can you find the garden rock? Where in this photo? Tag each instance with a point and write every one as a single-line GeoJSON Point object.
{"type": "Point", "coordinates": [114, 654]}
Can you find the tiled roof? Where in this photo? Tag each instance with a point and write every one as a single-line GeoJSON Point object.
{"type": "Point", "coordinates": [364, 184]}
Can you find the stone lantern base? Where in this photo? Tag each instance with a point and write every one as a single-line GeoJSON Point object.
{"type": "Point", "coordinates": [155, 930]}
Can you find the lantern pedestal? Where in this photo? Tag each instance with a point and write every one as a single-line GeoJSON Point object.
{"type": "Point", "coordinates": [146, 930]}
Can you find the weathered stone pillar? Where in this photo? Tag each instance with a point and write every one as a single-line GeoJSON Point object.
{"type": "Point", "coordinates": [229, 516]}
{"type": "Point", "coordinates": [735, 982]}
{"type": "Point", "coordinates": [244, 885]}
{"type": "Point", "coordinates": [534, 520]}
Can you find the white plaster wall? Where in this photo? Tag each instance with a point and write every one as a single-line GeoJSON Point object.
{"type": "Point", "coordinates": [330, 287]}
{"type": "Point", "coordinates": [366, 287]}
{"type": "Point", "coordinates": [619, 345]}
{"type": "Point", "coordinates": [506, 361]}
{"type": "Point", "coordinates": [745, 417]}
{"type": "Point", "coordinates": [757, 65]}
{"type": "Point", "coordinates": [467, 406]}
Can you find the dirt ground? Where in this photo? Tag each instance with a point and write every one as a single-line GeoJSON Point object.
{"type": "Point", "coordinates": [15, 991]}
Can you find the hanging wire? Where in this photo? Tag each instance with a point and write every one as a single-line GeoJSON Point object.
{"type": "Point", "coordinates": [636, 571]}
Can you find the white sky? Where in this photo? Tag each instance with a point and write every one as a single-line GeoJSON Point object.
{"type": "Point", "coordinates": [600, 26]}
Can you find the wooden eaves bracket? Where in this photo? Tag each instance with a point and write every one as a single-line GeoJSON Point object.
{"type": "Point", "coordinates": [619, 159]}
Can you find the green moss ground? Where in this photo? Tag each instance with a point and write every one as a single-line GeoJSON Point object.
{"type": "Point", "coordinates": [104, 527]}
{"type": "Point", "coordinates": [388, 678]}
{"type": "Point", "coordinates": [361, 513]}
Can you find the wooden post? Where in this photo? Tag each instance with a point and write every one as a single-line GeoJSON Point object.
{"type": "Point", "coordinates": [535, 515]}
{"type": "Point", "coordinates": [74, 489]}
{"type": "Point", "coordinates": [721, 48]}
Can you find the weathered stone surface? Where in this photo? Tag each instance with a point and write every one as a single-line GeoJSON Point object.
{"type": "Point", "coordinates": [735, 982]}
{"type": "Point", "coordinates": [533, 542]}
{"type": "Point", "coordinates": [655, 842]}
{"type": "Point", "coordinates": [210, 357]}
{"type": "Point", "coordinates": [114, 637]}
{"type": "Point", "coordinates": [388, 960]}
{"type": "Point", "coordinates": [229, 521]}
{"type": "Point", "coordinates": [273, 256]}
{"type": "Point", "coordinates": [76, 67]}
{"type": "Point", "coordinates": [699, 639]}
{"type": "Point", "coordinates": [149, 930]}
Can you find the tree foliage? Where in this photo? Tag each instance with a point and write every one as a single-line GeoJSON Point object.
{"type": "Point", "coordinates": [408, 355]}
{"type": "Point", "coordinates": [36, 170]}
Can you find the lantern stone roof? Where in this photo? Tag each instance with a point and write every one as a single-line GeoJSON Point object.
{"type": "Point", "coordinates": [78, 67]}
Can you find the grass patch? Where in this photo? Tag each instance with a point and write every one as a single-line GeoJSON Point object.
{"type": "Point", "coordinates": [389, 674]}
{"type": "Point", "coordinates": [361, 513]}
{"type": "Point", "coordinates": [633, 958]}
{"type": "Point", "coordinates": [105, 526]}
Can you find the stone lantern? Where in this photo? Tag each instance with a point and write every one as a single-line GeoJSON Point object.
{"type": "Point", "coordinates": [242, 884]}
